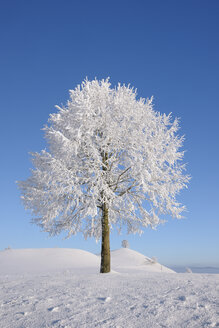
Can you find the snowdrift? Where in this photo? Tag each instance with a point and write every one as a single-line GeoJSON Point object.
{"type": "Point", "coordinates": [47, 260]}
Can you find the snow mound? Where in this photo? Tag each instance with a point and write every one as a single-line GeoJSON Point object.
{"type": "Point", "coordinates": [48, 260]}
{"type": "Point", "coordinates": [44, 260]}
{"type": "Point", "coordinates": [127, 260]}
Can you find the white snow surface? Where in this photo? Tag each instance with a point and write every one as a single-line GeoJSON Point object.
{"type": "Point", "coordinates": [63, 288]}
{"type": "Point", "coordinates": [128, 260]}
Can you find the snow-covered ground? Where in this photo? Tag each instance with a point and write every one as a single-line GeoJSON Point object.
{"type": "Point", "coordinates": [63, 288]}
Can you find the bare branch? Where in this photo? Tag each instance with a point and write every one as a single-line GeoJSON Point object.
{"type": "Point", "coordinates": [120, 175]}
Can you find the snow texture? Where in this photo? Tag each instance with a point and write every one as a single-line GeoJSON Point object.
{"type": "Point", "coordinates": [106, 147]}
{"type": "Point", "coordinates": [75, 295]}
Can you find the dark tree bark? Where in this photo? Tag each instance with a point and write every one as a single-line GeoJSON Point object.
{"type": "Point", "coordinates": [105, 247]}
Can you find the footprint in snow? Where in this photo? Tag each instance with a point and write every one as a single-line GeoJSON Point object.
{"type": "Point", "coordinates": [53, 309]}
{"type": "Point", "coordinates": [22, 313]}
{"type": "Point", "coordinates": [132, 308]}
{"type": "Point", "coordinates": [55, 322]}
{"type": "Point", "coordinates": [104, 299]}
{"type": "Point", "coordinates": [182, 298]}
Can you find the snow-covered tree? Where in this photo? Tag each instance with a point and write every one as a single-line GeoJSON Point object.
{"type": "Point", "coordinates": [112, 160]}
{"type": "Point", "coordinates": [125, 244]}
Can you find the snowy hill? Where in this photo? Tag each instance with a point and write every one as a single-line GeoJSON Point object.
{"type": "Point", "coordinates": [21, 261]}
{"type": "Point", "coordinates": [127, 260]}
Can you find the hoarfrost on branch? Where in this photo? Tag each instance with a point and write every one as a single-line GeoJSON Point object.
{"type": "Point", "coordinates": [106, 147]}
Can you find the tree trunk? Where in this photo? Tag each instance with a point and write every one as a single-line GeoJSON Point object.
{"type": "Point", "coordinates": [105, 247]}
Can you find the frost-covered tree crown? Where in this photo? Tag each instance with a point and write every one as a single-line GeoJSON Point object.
{"type": "Point", "coordinates": [106, 147]}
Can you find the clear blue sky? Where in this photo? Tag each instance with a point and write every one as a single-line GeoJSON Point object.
{"type": "Point", "coordinates": [169, 49]}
